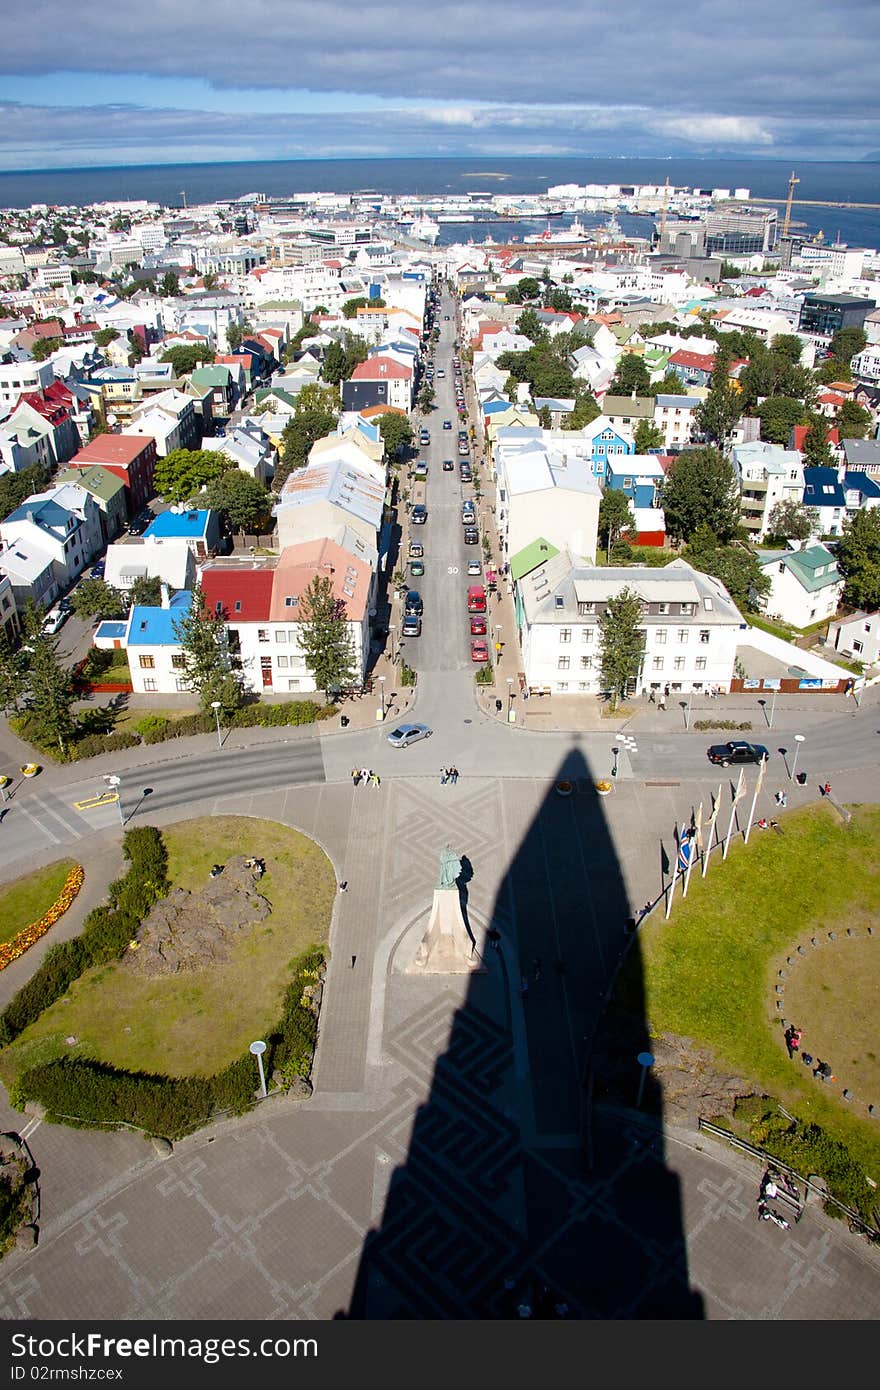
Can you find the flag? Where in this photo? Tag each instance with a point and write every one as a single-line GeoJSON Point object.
{"type": "Point", "coordinates": [762, 770]}
{"type": "Point", "coordinates": [685, 850]}
{"type": "Point", "coordinates": [698, 829]}
{"type": "Point", "coordinates": [740, 790]}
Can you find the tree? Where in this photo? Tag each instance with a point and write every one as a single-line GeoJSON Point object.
{"type": "Point", "coordinates": [614, 516]}
{"type": "Point", "coordinates": [668, 385]}
{"type": "Point", "coordinates": [316, 414]}
{"type": "Point", "coordinates": [49, 686]}
{"type": "Point", "coordinates": [169, 285]}
{"type": "Point", "coordinates": [559, 300]}
{"type": "Point", "coordinates": [831, 370]}
{"type": "Point", "coordinates": [701, 488]}
{"type": "Point", "coordinates": [95, 599]}
{"type": "Point", "coordinates": [622, 644]}
{"type": "Point", "coordinates": [333, 366]}
{"type": "Point", "coordinates": [145, 592]}
{"type": "Point", "coordinates": [44, 347]}
{"type": "Point", "coordinates": [243, 500]}
{"type": "Point", "coordinates": [858, 559]}
{"type": "Point", "coordinates": [719, 412]}
{"type": "Point", "coordinates": [528, 288]}
{"type": "Point", "coordinates": [648, 436]}
{"type": "Point", "coordinates": [13, 674]}
{"type": "Point", "coordinates": [15, 487]}
{"type": "Point", "coordinates": [105, 336]}
{"type": "Point", "coordinates": [816, 449]}
{"type": "Point", "coordinates": [207, 666]}
{"type": "Point", "coordinates": [396, 432]}
{"type": "Point", "coordinates": [792, 521]}
{"type": "Point", "coordinates": [351, 306]}
{"type": "Point", "coordinates": [736, 566]}
{"type": "Point", "coordinates": [426, 397]}
{"type": "Point", "coordinates": [529, 325]}
{"type": "Point", "coordinates": [185, 359]}
{"type": "Point", "coordinates": [210, 280]}
{"type": "Point", "coordinates": [631, 375]}
{"type": "Point", "coordinates": [184, 472]}
{"type": "Point", "coordinates": [852, 421]}
{"type": "Point", "coordinates": [586, 408]}
{"type": "Point", "coordinates": [778, 416]}
{"type": "Point", "coordinates": [788, 346]}
{"type": "Point", "coordinates": [324, 638]}
{"type": "Point", "coordinates": [236, 334]}
{"type": "Point", "coordinates": [847, 342]}
{"type": "Point", "coordinates": [136, 350]}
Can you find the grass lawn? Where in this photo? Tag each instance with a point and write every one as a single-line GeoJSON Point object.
{"type": "Point", "coordinates": [126, 720]}
{"type": "Point", "coordinates": [25, 900]}
{"type": "Point", "coordinates": [195, 1024]}
{"type": "Point", "coordinates": [710, 971]}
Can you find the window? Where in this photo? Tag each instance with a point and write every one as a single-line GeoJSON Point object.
{"type": "Point", "coordinates": [262, 634]}
{"type": "Point", "coordinates": [627, 482]}
{"type": "Point", "coordinates": [565, 634]}
{"type": "Point", "coordinates": [586, 662]}
{"type": "Point", "coordinates": [679, 663]}
{"type": "Point", "coordinates": [657, 663]}
{"type": "Point", "coordinates": [560, 601]}
{"type": "Point", "coordinates": [293, 685]}
{"type": "Point", "coordinates": [147, 663]}
{"type": "Point", "coordinates": [150, 684]}
{"type": "Point", "coordinates": [700, 663]}
{"type": "Point", "coordinates": [662, 608]}
{"type": "Point", "coordinates": [660, 636]}
{"type": "Point", "coordinates": [682, 636]}
{"type": "Point", "coordinates": [587, 634]}
{"type": "Point", "coordinates": [561, 687]}
{"type": "Point", "coordinates": [291, 601]}
{"type": "Point", "coordinates": [238, 605]}
{"type": "Point", "coordinates": [283, 661]}
{"type": "Point", "coordinates": [704, 634]}
{"type": "Point", "coordinates": [280, 636]}
{"type": "Point", "coordinates": [583, 685]}
{"type": "Point", "coordinates": [178, 661]}
{"type": "Point", "coordinates": [563, 663]}
{"type": "Point", "coordinates": [585, 608]}
{"type": "Point", "coordinates": [857, 646]}
{"type": "Point", "coordinates": [181, 684]}
{"type": "Point", "coordinates": [707, 602]}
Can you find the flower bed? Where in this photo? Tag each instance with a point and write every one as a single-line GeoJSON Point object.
{"type": "Point", "coordinates": [11, 950]}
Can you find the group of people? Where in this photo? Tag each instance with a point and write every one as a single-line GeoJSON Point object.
{"type": "Point", "coordinates": [448, 774]}
{"type": "Point", "coordinates": [365, 775]}
{"type": "Point", "coordinates": [777, 1186]}
{"type": "Point", "coordinates": [822, 1070]}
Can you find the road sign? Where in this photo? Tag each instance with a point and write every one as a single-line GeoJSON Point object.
{"type": "Point", "coordinates": [92, 802]}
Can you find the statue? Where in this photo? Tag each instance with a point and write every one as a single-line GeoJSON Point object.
{"type": "Point", "coordinates": [450, 867]}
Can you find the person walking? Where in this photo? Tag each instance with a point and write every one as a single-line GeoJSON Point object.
{"type": "Point", "coordinates": [355, 776]}
{"type": "Point", "coordinates": [661, 703]}
{"type": "Point", "coordinates": [453, 775]}
{"type": "Point", "coordinates": [343, 887]}
{"type": "Point", "coordinates": [375, 779]}
{"type": "Point", "coordinates": [536, 967]}
{"type": "Point", "coordinates": [444, 776]}
{"type": "Point", "coordinates": [365, 775]}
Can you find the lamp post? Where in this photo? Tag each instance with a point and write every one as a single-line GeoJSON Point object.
{"type": "Point", "coordinates": [615, 754]}
{"type": "Point", "coordinates": [497, 644]}
{"type": "Point", "coordinates": [798, 739]}
{"type": "Point", "coordinates": [509, 696]}
{"type": "Point", "coordinates": [114, 783]}
{"type": "Point", "coordinates": [382, 693]}
{"type": "Point", "coordinates": [391, 631]}
{"type": "Point", "coordinates": [215, 706]}
{"type": "Point", "coordinates": [257, 1049]}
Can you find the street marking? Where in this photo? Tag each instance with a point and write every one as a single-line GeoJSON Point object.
{"type": "Point", "coordinates": [39, 825]}
{"type": "Point", "coordinates": [102, 799]}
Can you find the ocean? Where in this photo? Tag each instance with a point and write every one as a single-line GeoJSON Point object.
{"type": "Point", "coordinates": [205, 183]}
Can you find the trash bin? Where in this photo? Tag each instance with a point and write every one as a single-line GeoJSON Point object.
{"type": "Point", "coordinates": [498, 706]}
{"type": "Point", "coordinates": [801, 779]}
{"type": "Point", "coordinates": [343, 719]}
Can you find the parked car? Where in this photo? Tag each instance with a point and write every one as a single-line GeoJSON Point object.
{"type": "Point", "coordinates": [479, 651]}
{"type": "Point", "coordinates": [465, 473]}
{"type": "Point", "coordinates": [411, 626]}
{"type": "Point", "coordinates": [468, 516]}
{"type": "Point", "coordinates": [419, 514]}
{"type": "Point", "coordinates": [448, 466]}
{"type": "Point", "coordinates": [474, 567]}
{"type": "Point", "coordinates": [447, 424]}
{"type": "Point", "coordinates": [471, 535]}
{"type": "Point", "coordinates": [413, 602]}
{"type": "Point", "coordinates": [405, 734]}
{"type": "Point", "coordinates": [97, 570]}
{"type": "Point", "coordinates": [464, 451]}
{"type": "Point", "coordinates": [478, 626]}
{"type": "Point", "coordinates": [417, 568]}
{"type": "Point", "coordinates": [420, 471]}
{"type": "Point", "coordinates": [55, 620]}
{"type": "Point", "coordinates": [476, 599]}
{"type": "Point", "coordinates": [424, 437]}
{"type": "Point", "coordinates": [737, 751]}
{"type": "Point", "coordinates": [416, 550]}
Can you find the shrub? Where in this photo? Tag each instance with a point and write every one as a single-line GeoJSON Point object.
{"type": "Point", "coordinates": [485, 676]}
{"type": "Point", "coordinates": [407, 674]}
{"type": "Point", "coordinates": [93, 745]}
{"type": "Point", "coordinates": [808, 1149]}
{"type": "Point", "coordinates": [153, 728]}
{"type": "Point", "coordinates": [722, 724]}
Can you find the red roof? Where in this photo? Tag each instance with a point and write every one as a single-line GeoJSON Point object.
{"type": "Point", "coordinates": [692, 359]}
{"type": "Point", "coordinates": [251, 588]}
{"type": "Point", "coordinates": [241, 359]}
{"type": "Point", "coordinates": [113, 448]}
{"type": "Point", "coordinates": [756, 292]}
{"type": "Point", "coordinates": [831, 398]}
{"type": "Point", "coordinates": [381, 369]}
{"type": "Point", "coordinates": [53, 411]}
{"type": "Point", "coordinates": [799, 432]}
{"type": "Point", "coordinates": [59, 394]}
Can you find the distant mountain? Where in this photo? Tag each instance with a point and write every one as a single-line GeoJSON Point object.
{"type": "Point", "coordinates": [872, 158]}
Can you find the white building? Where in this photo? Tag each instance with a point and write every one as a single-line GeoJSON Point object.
{"type": "Point", "coordinates": [675, 416]}
{"type": "Point", "coordinates": [64, 522]}
{"type": "Point", "coordinates": [805, 585]}
{"type": "Point", "coordinates": [767, 474]}
{"type": "Point", "coordinates": [857, 637]}
{"type": "Point", "coordinates": [140, 557]}
{"type": "Point", "coordinates": [543, 491]}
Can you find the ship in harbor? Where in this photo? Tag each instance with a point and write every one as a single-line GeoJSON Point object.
{"type": "Point", "coordinates": [421, 228]}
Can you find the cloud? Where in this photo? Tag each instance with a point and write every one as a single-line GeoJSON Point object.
{"type": "Point", "coordinates": [724, 131]}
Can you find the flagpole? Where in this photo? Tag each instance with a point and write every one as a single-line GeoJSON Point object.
{"type": "Point", "coordinates": [696, 846]}
{"type": "Point", "coordinates": [671, 893]}
{"type": "Point", "coordinates": [716, 807]}
{"type": "Point", "coordinates": [736, 796]}
{"type": "Point", "coordinates": [755, 800]}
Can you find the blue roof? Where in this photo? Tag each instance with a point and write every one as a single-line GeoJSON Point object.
{"type": "Point", "coordinates": [493, 407]}
{"type": "Point", "coordinates": [679, 402]}
{"type": "Point", "coordinates": [154, 627]}
{"type": "Point", "coordinates": [858, 481]}
{"type": "Point", "coordinates": [822, 489]}
{"type": "Point", "coordinates": [179, 525]}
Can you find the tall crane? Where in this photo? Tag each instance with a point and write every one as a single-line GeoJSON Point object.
{"type": "Point", "coordinates": [793, 181]}
{"type": "Point", "coordinates": [183, 196]}
{"type": "Point", "coordinates": [663, 213]}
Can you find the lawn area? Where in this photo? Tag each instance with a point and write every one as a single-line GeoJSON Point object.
{"type": "Point", "coordinates": [25, 900]}
{"type": "Point", "coordinates": [198, 1022]}
{"type": "Point", "coordinates": [710, 971]}
{"type": "Point", "coordinates": [127, 720]}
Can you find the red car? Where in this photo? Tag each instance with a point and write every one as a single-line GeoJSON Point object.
{"type": "Point", "coordinates": [478, 627]}
{"type": "Point", "coordinates": [479, 651]}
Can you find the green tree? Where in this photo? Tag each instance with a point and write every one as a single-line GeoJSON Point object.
{"type": "Point", "coordinates": [736, 566]}
{"type": "Point", "coordinates": [316, 414]}
{"type": "Point", "coordinates": [847, 342]}
{"type": "Point", "coordinates": [135, 348]}
{"type": "Point", "coordinates": [396, 432]}
{"type": "Point", "coordinates": [791, 520]}
{"type": "Point", "coordinates": [529, 325]}
{"type": "Point", "coordinates": [831, 370]}
{"type": "Point", "coordinates": [558, 300]}
{"type": "Point", "coordinates": [586, 409]}
{"type": "Point", "coordinates": [356, 351]}
{"type": "Point", "coordinates": [15, 487]}
{"type": "Point", "coordinates": [93, 598]}
{"type": "Point", "coordinates": [426, 397]}
{"type": "Point", "coordinates": [207, 665]}
{"type": "Point", "coordinates": [614, 517]}
{"type": "Point", "coordinates": [648, 436]}
{"type": "Point", "coordinates": [668, 385]}
{"type": "Point", "coordinates": [333, 366]}
{"type": "Point", "coordinates": [528, 288]}
{"type": "Point", "coordinates": [631, 375]}
{"type": "Point", "coordinates": [512, 295]}
{"type": "Point", "coordinates": [169, 285]}
{"type": "Point", "coordinates": [852, 421]}
{"type": "Point", "coordinates": [185, 359]}
{"type": "Point", "coordinates": [816, 449]}
{"type": "Point", "coordinates": [236, 334]}
{"type": "Point", "coordinates": [858, 559]}
{"type": "Point", "coordinates": [49, 686]}
{"type": "Point", "coordinates": [184, 472]}
{"type": "Point", "coordinates": [44, 347]}
{"type": "Point", "coordinates": [145, 592]}
{"type": "Point", "coordinates": [209, 280]}
{"type": "Point", "coordinates": [243, 500]}
{"type": "Point", "coordinates": [13, 674]}
{"type": "Point", "coordinates": [622, 644]}
{"type": "Point", "coordinates": [324, 638]}
{"type": "Point", "coordinates": [778, 416]}
{"type": "Point", "coordinates": [789, 347]}
{"type": "Point", "coordinates": [729, 271]}
{"type": "Point", "coordinates": [351, 306]}
{"type": "Point", "coordinates": [719, 412]}
{"type": "Point", "coordinates": [105, 336]}
{"type": "Point", "coordinates": [701, 488]}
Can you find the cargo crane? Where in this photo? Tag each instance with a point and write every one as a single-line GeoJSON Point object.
{"type": "Point", "coordinates": [793, 181]}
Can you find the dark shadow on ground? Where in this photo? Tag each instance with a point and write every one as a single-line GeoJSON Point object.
{"type": "Point", "coordinates": [517, 1198]}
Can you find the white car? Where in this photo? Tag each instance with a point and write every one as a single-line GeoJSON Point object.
{"type": "Point", "coordinates": [474, 567]}
{"type": "Point", "coordinates": [405, 734]}
{"type": "Point", "coordinates": [55, 620]}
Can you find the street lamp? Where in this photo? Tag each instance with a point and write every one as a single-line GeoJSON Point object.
{"type": "Point", "coordinates": [497, 644]}
{"type": "Point", "coordinates": [509, 696]}
{"type": "Point", "coordinates": [215, 706]}
{"type": "Point", "coordinates": [615, 753]}
{"type": "Point", "coordinates": [798, 738]}
{"type": "Point", "coordinates": [114, 782]}
{"type": "Point", "coordinates": [257, 1049]}
{"type": "Point", "coordinates": [382, 693]}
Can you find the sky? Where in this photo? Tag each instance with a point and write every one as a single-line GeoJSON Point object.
{"type": "Point", "coordinates": [175, 82]}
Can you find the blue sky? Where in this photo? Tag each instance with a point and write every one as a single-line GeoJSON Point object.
{"type": "Point", "coordinates": [173, 82]}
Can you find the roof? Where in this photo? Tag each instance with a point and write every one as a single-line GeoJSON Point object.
{"type": "Point", "coordinates": [531, 556]}
{"type": "Point", "coordinates": [381, 369]}
{"type": "Point", "coordinates": [864, 453]}
{"type": "Point", "coordinates": [211, 376]}
{"type": "Point", "coordinates": [638, 407]}
{"type": "Point", "coordinates": [300, 564]}
{"type": "Point", "coordinates": [339, 483]}
{"type": "Point", "coordinates": [98, 481]}
{"type": "Point", "coordinates": [799, 434]}
{"type": "Point", "coordinates": [243, 592]}
{"type": "Point", "coordinates": [692, 360]}
{"type": "Point", "coordinates": [179, 525]}
{"type": "Point", "coordinates": [154, 627]}
{"type": "Point", "coordinates": [822, 488]}
{"type": "Point", "coordinates": [814, 567]}
{"type": "Point", "coordinates": [678, 402]}
{"type": "Point", "coordinates": [114, 448]}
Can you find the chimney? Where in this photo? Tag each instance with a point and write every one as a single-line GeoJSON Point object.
{"type": "Point", "coordinates": [166, 595]}
{"type": "Point", "coordinates": [634, 393]}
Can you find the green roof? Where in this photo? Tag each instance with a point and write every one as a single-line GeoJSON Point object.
{"type": "Point", "coordinates": [807, 563]}
{"type": "Point", "coordinates": [212, 376]}
{"type": "Point", "coordinates": [533, 555]}
{"type": "Point", "coordinates": [100, 482]}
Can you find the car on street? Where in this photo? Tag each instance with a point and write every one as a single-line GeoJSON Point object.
{"type": "Point", "coordinates": [468, 516]}
{"type": "Point", "coordinates": [420, 470]}
{"type": "Point", "coordinates": [478, 626]}
{"type": "Point", "coordinates": [419, 514]}
{"type": "Point", "coordinates": [416, 550]}
{"type": "Point", "coordinates": [55, 620]}
{"type": "Point", "coordinates": [473, 567]}
{"type": "Point", "coordinates": [424, 437]}
{"type": "Point", "coordinates": [440, 372]}
{"type": "Point", "coordinates": [97, 570]}
{"type": "Point", "coordinates": [446, 316]}
{"type": "Point", "coordinates": [447, 424]}
{"type": "Point", "coordinates": [471, 535]}
{"type": "Point", "coordinates": [448, 466]}
{"type": "Point", "coordinates": [411, 626]}
{"type": "Point", "coordinates": [405, 734]}
{"type": "Point", "coordinates": [463, 450]}
{"type": "Point", "coordinates": [479, 651]}
{"type": "Point", "coordinates": [413, 602]}
{"type": "Point", "coordinates": [736, 751]}
{"type": "Point", "coordinates": [416, 568]}
{"type": "Point", "coordinates": [465, 473]}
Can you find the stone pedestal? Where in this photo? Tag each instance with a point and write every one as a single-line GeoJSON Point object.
{"type": "Point", "coordinates": [446, 948]}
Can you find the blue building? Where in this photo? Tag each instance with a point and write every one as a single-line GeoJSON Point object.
{"type": "Point", "coordinates": [200, 530]}
{"type": "Point", "coordinates": [639, 476]}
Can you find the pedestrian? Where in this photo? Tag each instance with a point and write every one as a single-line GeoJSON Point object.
{"type": "Point", "coordinates": [355, 776]}
{"type": "Point", "coordinates": [652, 698]}
{"type": "Point", "coordinates": [645, 910]}
{"type": "Point", "coordinates": [453, 773]}
{"type": "Point", "coordinates": [444, 776]}
{"type": "Point", "coordinates": [353, 962]}
{"type": "Point", "coordinates": [666, 691]}
{"type": "Point", "coordinates": [781, 800]}
{"type": "Point", "coordinates": [494, 939]}
{"type": "Point", "coordinates": [823, 1071]}
{"type": "Point", "coordinates": [661, 703]}
{"type": "Point", "coordinates": [826, 790]}
{"type": "Point", "coordinates": [536, 966]}
{"type": "Point", "coordinates": [375, 779]}
{"type": "Point", "coordinates": [365, 775]}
